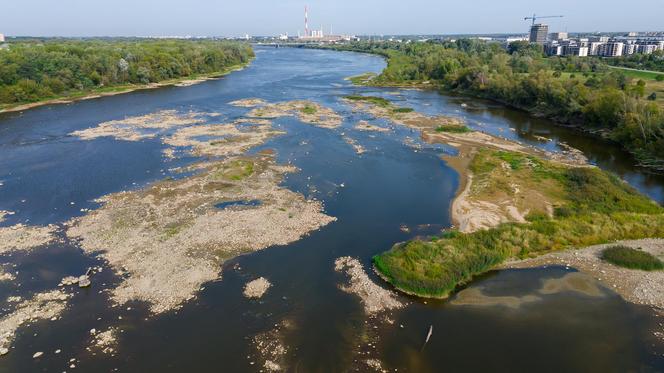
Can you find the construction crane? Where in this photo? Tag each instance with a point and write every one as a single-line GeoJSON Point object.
{"type": "Point", "coordinates": [536, 17]}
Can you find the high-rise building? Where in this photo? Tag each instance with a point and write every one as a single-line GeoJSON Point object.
{"type": "Point", "coordinates": [2, 38]}
{"type": "Point", "coordinates": [576, 50]}
{"type": "Point", "coordinates": [629, 49]}
{"type": "Point", "coordinates": [539, 33]}
{"type": "Point", "coordinates": [593, 48]}
{"type": "Point", "coordinates": [612, 49]}
{"type": "Point", "coordinates": [559, 36]}
{"type": "Point", "coordinates": [647, 48]}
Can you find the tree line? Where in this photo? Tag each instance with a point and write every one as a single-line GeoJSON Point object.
{"type": "Point", "coordinates": [34, 70]}
{"type": "Point", "coordinates": [571, 90]}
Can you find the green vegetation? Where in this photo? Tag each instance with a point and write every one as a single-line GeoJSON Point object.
{"type": "Point", "coordinates": [653, 62]}
{"type": "Point", "coordinates": [403, 110]}
{"type": "Point", "coordinates": [379, 101]}
{"type": "Point", "coordinates": [453, 128]}
{"type": "Point", "coordinates": [581, 91]}
{"type": "Point", "coordinates": [627, 257]}
{"type": "Point", "coordinates": [308, 109]}
{"type": "Point", "coordinates": [37, 70]}
{"type": "Point", "coordinates": [362, 79]}
{"type": "Point", "coordinates": [639, 74]}
{"type": "Point", "coordinates": [236, 170]}
{"type": "Point", "coordinates": [592, 207]}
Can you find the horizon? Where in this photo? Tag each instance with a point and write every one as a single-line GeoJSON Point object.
{"type": "Point", "coordinates": [204, 18]}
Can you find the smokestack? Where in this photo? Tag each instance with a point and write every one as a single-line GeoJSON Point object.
{"type": "Point", "coordinates": [306, 22]}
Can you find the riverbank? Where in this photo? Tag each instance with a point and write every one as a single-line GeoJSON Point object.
{"type": "Point", "coordinates": [123, 89]}
{"type": "Point", "coordinates": [513, 201]}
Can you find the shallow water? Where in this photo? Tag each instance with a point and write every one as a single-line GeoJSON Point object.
{"type": "Point", "coordinates": [48, 177]}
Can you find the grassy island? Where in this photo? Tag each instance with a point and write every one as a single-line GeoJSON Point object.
{"type": "Point", "coordinates": [515, 202]}
{"type": "Point", "coordinates": [589, 206]}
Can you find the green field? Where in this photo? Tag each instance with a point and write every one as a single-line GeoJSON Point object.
{"type": "Point", "coordinates": [638, 74]}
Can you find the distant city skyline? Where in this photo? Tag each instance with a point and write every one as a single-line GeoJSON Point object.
{"type": "Point", "coordinates": [273, 17]}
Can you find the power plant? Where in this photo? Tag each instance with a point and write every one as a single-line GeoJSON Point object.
{"type": "Point", "coordinates": [318, 35]}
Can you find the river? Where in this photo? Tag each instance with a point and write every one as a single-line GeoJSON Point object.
{"type": "Point", "coordinates": [48, 177]}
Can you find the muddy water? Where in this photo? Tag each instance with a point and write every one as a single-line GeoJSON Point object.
{"type": "Point", "coordinates": [48, 177]}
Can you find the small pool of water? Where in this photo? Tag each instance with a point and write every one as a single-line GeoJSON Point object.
{"type": "Point", "coordinates": [223, 205]}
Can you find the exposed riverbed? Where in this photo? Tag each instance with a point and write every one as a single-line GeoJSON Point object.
{"type": "Point", "coordinates": [330, 181]}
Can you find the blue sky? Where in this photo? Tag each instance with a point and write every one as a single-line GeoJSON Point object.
{"type": "Point", "coordinates": [270, 17]}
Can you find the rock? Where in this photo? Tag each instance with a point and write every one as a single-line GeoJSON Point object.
{"type": "Point", "coordinates": [69, 280]}
{"type": "Point", "coordinates": [4, 350]}
{"type": "Point", "coordinates": [83, 281]}
{"type": "Point", "coordinates": [256, 288]}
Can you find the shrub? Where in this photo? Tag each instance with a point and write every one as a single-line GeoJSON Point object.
{"type": "Point", "coordinates": [308, 109]}
{"type": "Point", "coordinates": [372, 99]}
{"type": "Point", "coordinates": [453, 128]}
{"type": "Point", "coordinates": [628, 257]}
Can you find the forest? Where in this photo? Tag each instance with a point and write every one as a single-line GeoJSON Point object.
{"type": "Point", "coordinates": [35, 69]}
{"type": "Point", "coordinates": [583, 92]}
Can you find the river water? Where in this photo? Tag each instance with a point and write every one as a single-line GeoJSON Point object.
{"type": "Point", "coordinates": [49, 177]}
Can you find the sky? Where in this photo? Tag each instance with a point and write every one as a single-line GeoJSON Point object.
{"type": "Point", "coordinates": [357, 17]}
